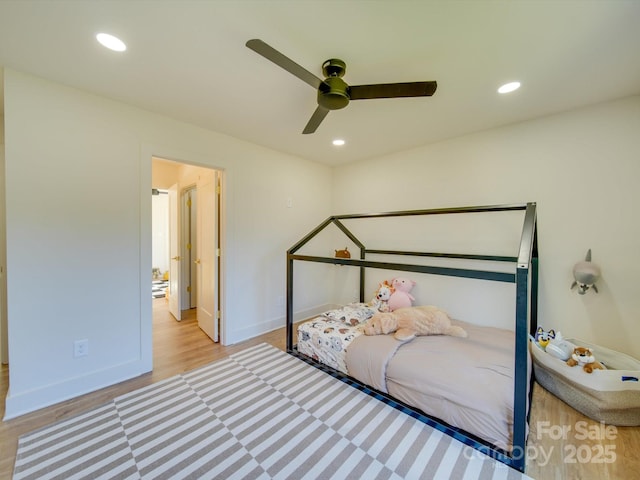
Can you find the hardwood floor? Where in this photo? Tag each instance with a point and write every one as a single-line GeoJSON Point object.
{"type": "Point", "coordinates": [569, 445]}
{"type": "Point", "coordinates": [177, 347]}
{"type": "Point", "coordinates": [587, 450]}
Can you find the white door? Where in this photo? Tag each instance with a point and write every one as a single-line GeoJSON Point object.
{"type": "Point", "coordinates": [188, 272]}
{"type": "Point", "coordinates": [207, 258]}
{"type": "Point", "coordinates": [174, 253]}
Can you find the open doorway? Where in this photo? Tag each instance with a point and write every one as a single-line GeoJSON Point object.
{"type": "Point", "coordinates": [187, 249]}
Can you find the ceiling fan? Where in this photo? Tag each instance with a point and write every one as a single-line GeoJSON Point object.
{"type": "Point", "coordinates": [333, 92]}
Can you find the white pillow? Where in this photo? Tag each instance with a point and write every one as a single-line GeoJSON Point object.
{"type": "Point", "coordinates": [352, 314]}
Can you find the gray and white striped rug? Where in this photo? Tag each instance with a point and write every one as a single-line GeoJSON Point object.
{"type": "Point", "coordinates": [258, 414]}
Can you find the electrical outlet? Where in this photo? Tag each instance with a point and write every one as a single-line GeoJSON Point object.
{"type": "Point", "coordinates": [280, 301]}
{"type": "Point", "coordinates": [81, 348]}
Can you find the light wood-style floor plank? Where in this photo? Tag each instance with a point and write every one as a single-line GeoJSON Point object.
{"type": "Point", "coordinates": [181, 346]}
{"type": "Point", "coordinates": [569, 445]}
{"type": "Point", "coordinates": [177, 347]}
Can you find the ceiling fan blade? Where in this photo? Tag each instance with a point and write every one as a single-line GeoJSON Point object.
{"type": "Point", "coordinates": [279, 59]}
{"type": "Point", "coordinates": [316, 119]}
{"type": "Point", "coordinates": [392, 90]}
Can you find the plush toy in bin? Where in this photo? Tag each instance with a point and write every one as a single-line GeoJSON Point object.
{"type": "Point", "coordinates": [583, 356]}
{"type": "Point", "coordinates": [559, 347]}
{"type": "Point", "coordinates": [401, 298]}
{"type": "Point", "coordinates": [543, 337]}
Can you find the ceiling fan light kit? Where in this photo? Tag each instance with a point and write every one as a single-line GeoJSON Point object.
{"type": "Point", "coordinates": [333, 92]}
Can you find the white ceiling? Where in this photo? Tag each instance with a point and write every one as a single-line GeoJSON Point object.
{"type": "Point", "coordinates": [188, 60]}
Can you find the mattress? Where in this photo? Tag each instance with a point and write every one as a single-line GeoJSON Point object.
{"type": "Point", "coordinates": [465, 382]}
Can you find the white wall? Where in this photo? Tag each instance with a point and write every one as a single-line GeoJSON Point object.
{"type": "Point", "coordinates": [164, 174]}
{"type": "Point", "coordinates": [79, 256]}
{"type": "Point", "coordinates": [68, 151]}
{"type": "Point", "coordinates": [582, 169]}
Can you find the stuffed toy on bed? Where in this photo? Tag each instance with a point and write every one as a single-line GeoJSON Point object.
{"type": "Point", "coordinates": [411, 321]}
{"type": "Point", "coordinates": [401, 298]}
{"type": "Point", "coordinates": [380, 301]}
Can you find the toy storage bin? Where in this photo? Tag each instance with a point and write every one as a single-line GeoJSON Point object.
{"type": "Point", "coordinates": [611, 396]}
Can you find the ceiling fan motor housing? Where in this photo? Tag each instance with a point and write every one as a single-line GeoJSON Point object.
{"type": "Point", "coordinates": [333, 93]}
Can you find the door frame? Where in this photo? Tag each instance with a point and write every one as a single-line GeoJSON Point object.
{"type": "Point", "coordinates": [147, 153]}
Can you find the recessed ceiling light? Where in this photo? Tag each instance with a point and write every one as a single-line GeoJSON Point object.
{"type": "Point", "coordinates": [338, 142]}
{"type": "Point", "coordinates": [509, 87]}
{"type": "Point", "coordinates": [111, 42]}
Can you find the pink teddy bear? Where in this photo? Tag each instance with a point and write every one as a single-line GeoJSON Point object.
{"type": "Point", "coordinates": [401, 297]}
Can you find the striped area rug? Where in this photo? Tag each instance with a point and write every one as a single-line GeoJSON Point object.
{"type": "Point", "coordinates": [258, 414]}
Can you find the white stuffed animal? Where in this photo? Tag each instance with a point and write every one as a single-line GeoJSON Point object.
{"type": "Point", "coordinates": [559, 347]}
{"type": "Point", "coordinates": [380, 301]}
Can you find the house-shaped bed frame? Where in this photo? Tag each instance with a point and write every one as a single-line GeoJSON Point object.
{"type": "Point", "coordinates": [526, 283]}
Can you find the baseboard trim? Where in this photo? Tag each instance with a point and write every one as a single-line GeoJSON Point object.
{"type": "Point", "coordinates": [27, 402]}
{"type": "Point", "coordinates": [276, 323]}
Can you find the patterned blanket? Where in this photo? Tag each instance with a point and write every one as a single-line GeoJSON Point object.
{"type": "Point", "coordinates": [327, 337]}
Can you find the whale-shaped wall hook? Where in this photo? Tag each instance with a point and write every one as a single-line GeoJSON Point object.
{"type": "Point", "coordinates": [586, 274]}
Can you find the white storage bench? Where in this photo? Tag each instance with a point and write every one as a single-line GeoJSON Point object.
{"type": "Point", "coordinates": [611, 396]}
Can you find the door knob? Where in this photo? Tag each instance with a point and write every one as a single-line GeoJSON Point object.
{"type": "Point", "coordinates": [175, 258]}
{"type": "Point", "coordinates": [197, 262]}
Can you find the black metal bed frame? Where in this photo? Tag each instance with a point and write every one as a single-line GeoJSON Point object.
{"type": "Point", "coordinates": [525, 279]}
